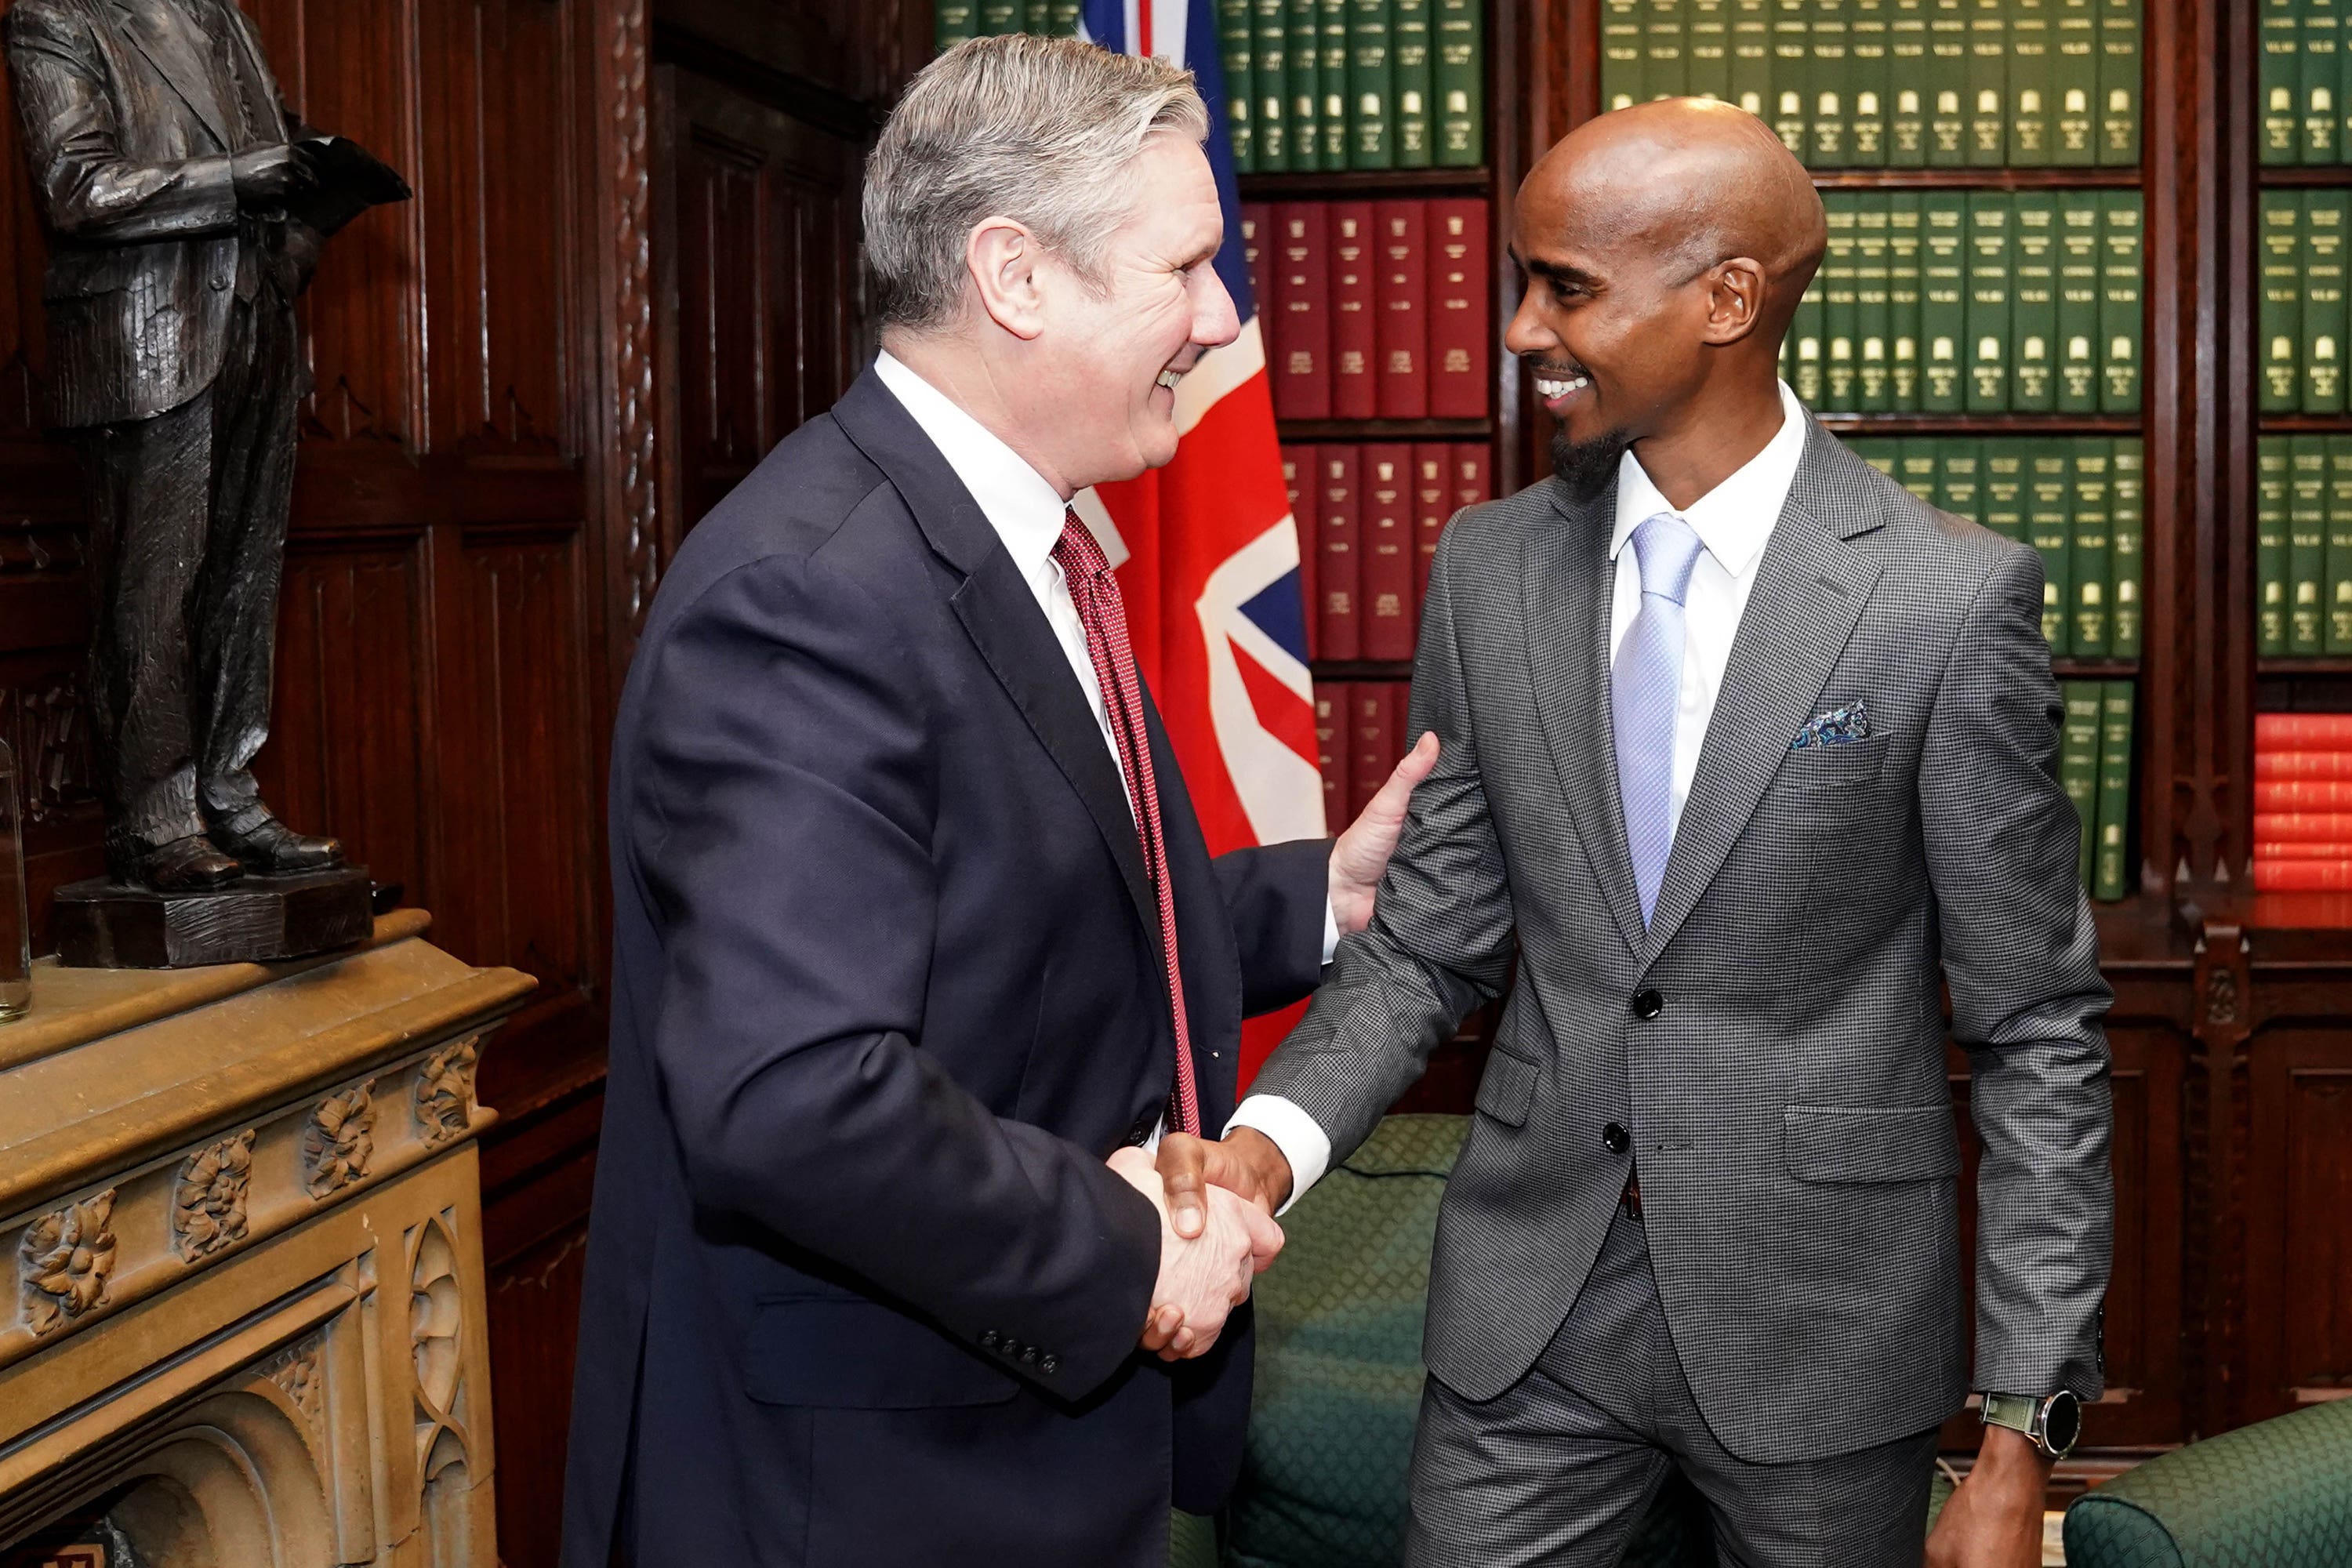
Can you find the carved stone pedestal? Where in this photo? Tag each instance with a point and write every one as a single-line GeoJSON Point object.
{"type": "Point", "coordinates": [240, 1225]}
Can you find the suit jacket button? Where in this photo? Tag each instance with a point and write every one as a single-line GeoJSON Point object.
{"type": "Point", "coordinates": [1030, 1354]}
{"type": "Point", "coordinates": [1012, 1347]}
{"type": "Point", "coordinates": [1048, 1365]}
{"type": "Point", "coordinates": [1616, 1139]}
{"type": "Point", "coordinates": [988, 1340]}
{"type": "Point", "coordinates": [1648, 1004]}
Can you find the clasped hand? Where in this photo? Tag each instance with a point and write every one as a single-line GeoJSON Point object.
{"type": "Point", "coordinates": [1203, 1277]}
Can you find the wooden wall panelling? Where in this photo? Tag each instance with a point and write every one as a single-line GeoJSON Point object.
{"type": "Point", "coordinates": [2298, 1252]}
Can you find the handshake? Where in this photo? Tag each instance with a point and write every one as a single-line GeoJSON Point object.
{"type": "Point", "coordinates": [1216, 1204]}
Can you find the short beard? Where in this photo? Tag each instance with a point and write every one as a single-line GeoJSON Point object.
{"type": "Point", "coordinates": [1584, 466]}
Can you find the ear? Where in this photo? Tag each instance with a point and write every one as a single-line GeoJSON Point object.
{"type": "Point", "coordinates": [1735, 301]}
{"type": "Point", "coordinates": [1000, 257]}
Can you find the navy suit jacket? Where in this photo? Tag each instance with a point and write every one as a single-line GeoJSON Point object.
{"type": "Point", "coordinates": [886, 993]}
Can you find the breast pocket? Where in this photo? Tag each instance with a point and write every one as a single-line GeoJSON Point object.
{"type": "Point", "coordinates": [1847, 766]}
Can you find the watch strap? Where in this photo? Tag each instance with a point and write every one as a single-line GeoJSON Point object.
{"type": "Point", "coordinates": [2018, 1412]}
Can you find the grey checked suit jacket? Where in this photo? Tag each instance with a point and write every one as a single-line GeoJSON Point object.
{"type": "Point", "coordinates": [1789, 1116]}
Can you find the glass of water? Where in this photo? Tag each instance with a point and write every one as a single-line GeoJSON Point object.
{"type": "Point", "coordinates": [16, 924]}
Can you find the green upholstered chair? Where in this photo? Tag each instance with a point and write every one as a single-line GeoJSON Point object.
{"type": "Point", "coordinates": [2277, 1494]}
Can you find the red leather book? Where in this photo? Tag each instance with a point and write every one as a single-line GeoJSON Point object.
{"type": "Point", "coordinates": [1401, 294]}
{"type": "Point", "coordinates": [1473, 474]}
{"type": "Point", "coordinates": [1354, 343]}
{"type": "Point", "coordinates": [2302, 731]}
{"type": "Point", "coordinates": [1298, 477]}
{"type": "Point", "coordinates": [1257, 252]}
{"type": "Point", "coordinates": [1385, 609]}
{"type": "Point", "coordinates": [2303, 794]}
{"type": "Point", "coordinates": [1338, 576]}
{"type": "Point", "coordinates": [1302, 293]}
{"type": "Point", "coordinates": [1333, 700]}
{"type": "Point", "coordinates": [2302, 852]}
{"type": "Point", "coordinates": [1460, 334]}
{"type": "Point", "coordinates": [2302, 875]}
{"type": "Point", "coordinates": [1372, 742]}
{"type": "Point", "coordinates": [2301, 827]}
{"type": "Point", "coordinates": [1432, 503]}
{"type": "Point", "coordinates": [2302, 764]}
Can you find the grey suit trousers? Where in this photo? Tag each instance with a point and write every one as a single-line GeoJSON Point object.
{"type": "Point", "coordinates": [1559, 1469]}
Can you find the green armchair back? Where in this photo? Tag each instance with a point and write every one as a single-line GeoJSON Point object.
{"type": "Point", "coordinates": [2277, 1494]}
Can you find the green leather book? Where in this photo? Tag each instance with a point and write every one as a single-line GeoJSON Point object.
{"type": "Point", "coordinates": [1371, 87]}
{"type": "Point", "coordinates": [2306, 544]}
{"type": "Point", "coordinates": [2108, 860]}
{"type": "Point", "coordinates": [1060, 18]}
{"type": "Point", "coordinates": [2078, 763]}
{"type": "Point", "coordinates": [1303, 78]}
{"type": "Point", "coordinates": [1903, 299]}
{"type": "Point", "coordinates": [2278, 312]}
{"type": "Point", "coordinates": [1808, 356]}
{"type": "Point", "coordinates": [1906, 83]}
{"type": "Point", "coordinates": [1416, 123]}
{"type": "Point", "coordinates": [1461, 84]}
{"type": "Point", "coordinates": [1878, 451]}
{"type": "Point", "coordinates": [1664, 71]}
{"type": "Point", "coordinates": [2074, 83]}
{"type": "Point", "coordinates": [2032, 76]}
{"type": "Point", "coordinates": [1623, 48]}
{"type": "Point", "coordinates": [2078, 302]}
{"type": "Point", "coordinates": [2003, 507]}
{"type": "Point", "coordinates": [2090, 562]}
{"type": "Point", "coordinates": [2317, 71]}
{"type": "Point", "coordinates": [2336, 561]}
{"type": "Point", "coordinates": [1838, 282]}
{"type": "Point", "coordinates": [1987, 95]}
{"type": "Point", "coordinates": [952, 21]}
{"type": "Point", "coordinates": [2119, 83]}
{"type": "Point", "coordinates": [1947, 83]}
{"type": "Point", "coordinates": [1706, 48]}
{"type": "Point", "coordinates": [2270, 486]}
{"type": "Point", "coordinates": [2279, 78]}
{"type": "Point", "coordinates": [996, 17]}
{"type": "Point", "coordinates": [2033, 304]}
{"type": "Point", "coordinates": [1988, 344]}
{"type": "Point", "coordinates": [1943, 300]}
{"type": "Point", "coordinates": [1793, 75]}
{"type": "Point", "coordinates": [1270, 77]}
{"type": "Point", "coordinates": [1916, 458]}
{"type": "Point", "coordinates": [2119, 284]}
{"type": "Point", "coordinates": [2126, 545]}
{"type": "Point", "coordinates": [1751, 57]}
{"type": "Point", "coordinates": [1833, 94]}
{"type": "Point", "coordinates": [1865, 73]}
{"type": "Point", "coordinates": [1960, 478]}
{"type": "Point", "coordinates": [1237, 47]}
{"type": "Point", "coordinates": [2049, 528]}
{"type": "Point", "coordinates": [2322, 341]}
{"type": "Point", "coordinates": [1873, 387]}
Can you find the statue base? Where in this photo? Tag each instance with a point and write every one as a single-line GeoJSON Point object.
{"type": "Point", "coordinates": [100, 924]}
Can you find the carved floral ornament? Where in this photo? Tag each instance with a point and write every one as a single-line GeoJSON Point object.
{"type": "Point", "coordinates": [67, 1258]}
{"type": "Point", "coordinates": [339, 1141]}
{"type": "Point", "coordinates": [445, 1089]}
{"type": "Point", "coordinates": [209, 1204]}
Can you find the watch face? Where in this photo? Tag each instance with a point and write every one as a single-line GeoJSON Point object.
{"type": "Point", "coordinates": [2061, 1421]}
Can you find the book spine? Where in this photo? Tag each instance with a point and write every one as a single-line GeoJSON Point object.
{"type": "Point", "coordinates": [1334, 703]}
{"type": "Point", "coordinates": [2322, 301]}
{"type": "Point", "coordinates": [1331, 78]}
{"type": "Point", "coordinates": [2074, 84]}
{"type": "Point", "coordinates": [1432, 504]}
{"type": "Point", "coordinates": [1943, 300]}
{"type": "Point", "coordinates": [2280, 78]}
{"type": "Point", "coordinates": [2298, 795]}
{"type": "Point", "coordinates": [1270, 78]}
{"type": "Point", "coordinates": [2335, 567]}
{"type": "Point", "coordinates": [2306, 542]}
{"type": "Point", "coordinates": [1237, 44]}
{"type": "Point", "coordinates": [952, 21]}
{"type": "Point", "coordinates": [1793, 75]}
{"type": "Point", "coordinates": [1257, 257]}
{"type": "Point", "coordinates": [2033, 78]}
{"type": "Point", "coordinates": [1987, 83]}
{"type": "Point", "coordinates": [2279, 316]}
{"type": "Point", "coordinates": [1302, 286]}
{"type": "Point", "coordinates": [2109, 861]}
{"type": "Point", "coordinates": [1460, 82]}
{"type": "Point", "coordinates": [2315, 96]}
{"type": "Point", "coordinates": [1837, 282]}
{"type": "Point", "coordinates": [1416, 119]}
{"type": "Point", "coordinates": [2302, 826]}
{"type": "Point", "coordinates": [1623, 48]}
{"type": "Point", "coordinates": [2128, 544]}
{"type": "Point", "coordinates": [2119, 284]}
{"type": "Point", "coordinates": [2049, 527]}
{"type": "Point", "coordinates": [1826, 113]}
{"type": "Point", "coordinates": [1906, 83]}
{"type": "Point", "coordinates": [2005, 473]}
{"type": "Point", "coordinates": [1473, 474]}
{"type": "Point", "coordinates": [2302, 731]}
{"type": "Point", "coordinates": [2078, 302]}
{"type": "Point", "coordinates": [1459, 334]}
{"type": "Point", "coordinates": [1355, 347]}
{"type": "Point", "coordinates": [1808, 355]}
{"type": "Point", "coordinates": [1947, 83]}
{"type": "Point", "coordinates": [1298, 479]}
{"type": "Point", "coordinates": [1662, 71]}
{"type": "Point", "coordinates": [1880, 452]}
{"type": "Point", "coordinates": [1385, 616]}
{"type": "Point", "coordinates": [1401, 308]}
{"type": "Point", "coordinates": [1371, 87]}
{"type": "Point", "coordinates": [2034, 323]}
{"type": "Point", "coordinates": [2302, 875]}
{"type": "Point", "coordinates": [2272, 485]}
{"type": "Point", "coordinates": [2091, 563]}
{"type": "Point", "coordinates": [1960, 478]}
{"type": "Point", "coordinates": [1989, 301]}
{"type": "Point", "coordinates": [1917, 459]}
{"type": "Point", "coordinates": [1875, 390]}
{"type": "Point", "coordinates": [1302, 79]}
{"type": "Point", "coordinates": [1707, 49]}
{"type": "Point", "coordinates": [1903, 299]}
{"type": "Point", "coordinates": [2270, 850]}
{"type": "Point", "coordinates": [2078, 765]}
{"type": "Point", "coordinates": [1061, 17]}
{"type": "Point", "coordinates": [2119, 83]}
{"type": "Point", "coordinates": [1867, 84]}
{"type": "Point", "coordinates": [994, 19]}
{"type": "Point", "coordinates": [1751, 57]}
{"type": "Point", "coordinates": [1375, 748]}
{"type": "Point", "coordinates": [1339, 576]}
{"type": "Point", "coordinates": [2303, 766]}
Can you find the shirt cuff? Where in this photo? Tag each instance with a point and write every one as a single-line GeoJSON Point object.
{"type": "Point", "coordinates": [1330, 931]}
{"type": "Point", "coordinates": [1302, 1140]}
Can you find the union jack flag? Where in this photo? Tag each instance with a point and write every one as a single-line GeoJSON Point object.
{"type": "Point", "coordinates": [1206, 549]}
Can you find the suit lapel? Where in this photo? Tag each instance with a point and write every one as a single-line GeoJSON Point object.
{"type": "Point", "coordinates": [1811, 588]}
{"type": "Point", "coordinates": [273, 102]}
{"type": "Point", "coordinates": [1567, 587]}
{"type": "Point", "coordinates": [162, 36]}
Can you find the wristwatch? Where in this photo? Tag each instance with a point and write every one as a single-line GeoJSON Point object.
{"type": "Point", "coordinates": [2050, 1422]}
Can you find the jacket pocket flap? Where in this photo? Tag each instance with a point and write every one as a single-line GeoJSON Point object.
{"type": "Point", "coordinates": [1506, 1088]}
{"type": "Point", "coordinates": [1870, 1143]}
{"type": "Point", "coordinates": [835, 1354]}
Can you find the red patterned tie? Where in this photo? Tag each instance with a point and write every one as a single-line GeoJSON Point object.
{"type": "Point", "coordinates": [1095, 592]}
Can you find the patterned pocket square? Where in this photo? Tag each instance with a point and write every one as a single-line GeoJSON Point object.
{"type": "Point", "coordinates": [1838, 727]}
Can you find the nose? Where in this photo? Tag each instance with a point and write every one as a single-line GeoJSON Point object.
{"type": "Point", "coordinates": [1527, 333]}
{"type": "Point", "coordinates": [1215, 320]}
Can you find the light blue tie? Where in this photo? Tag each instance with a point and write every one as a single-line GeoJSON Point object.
{"type": "Point", "coordinates": [1645, 691]}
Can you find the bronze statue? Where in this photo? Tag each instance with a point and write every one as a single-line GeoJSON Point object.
{"type": "Point", "coordinates": [185, 204]}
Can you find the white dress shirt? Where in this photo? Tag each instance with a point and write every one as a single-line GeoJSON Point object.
{"type": "Point", "coordinates": [1734, 521]}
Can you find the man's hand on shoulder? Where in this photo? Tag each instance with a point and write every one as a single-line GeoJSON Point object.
{"type": "Point", "coordinates": [1205, 1276]}
{"type": "Point", "coordinates": [1361, 858]}
{"type": "Point", "coordinates": [1994, 1520]}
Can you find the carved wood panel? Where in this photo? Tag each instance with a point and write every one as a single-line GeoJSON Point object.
{"type": "Point", "coordinates": [2298, 1255]}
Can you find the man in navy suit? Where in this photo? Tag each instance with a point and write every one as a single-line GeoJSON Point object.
{"type": "Point", "coordinates": [902, 867]}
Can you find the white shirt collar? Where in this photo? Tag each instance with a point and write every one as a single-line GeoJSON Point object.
{"type": "Point", "coordinates": [1026, 511]}
{"type": "Point", "coordinates": [1734, 519]}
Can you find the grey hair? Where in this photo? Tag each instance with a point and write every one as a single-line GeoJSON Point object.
{"type": "Point", "coordinates": [1038, 130]}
